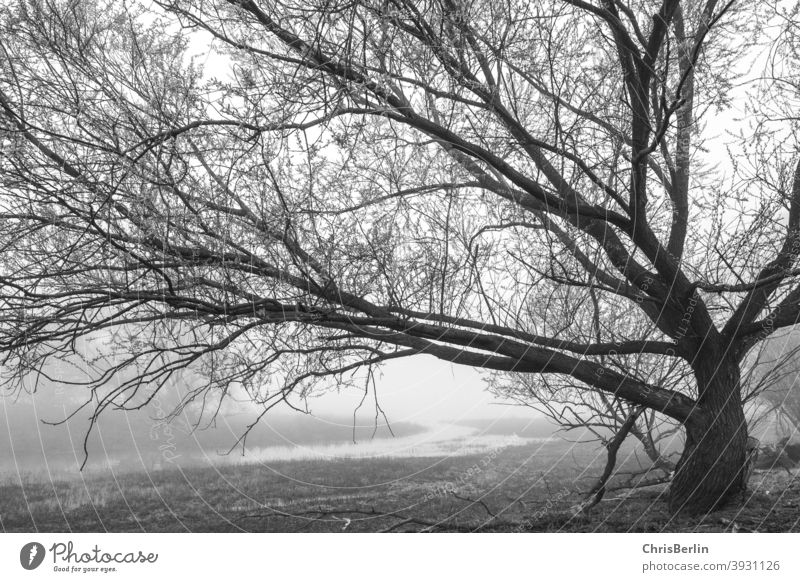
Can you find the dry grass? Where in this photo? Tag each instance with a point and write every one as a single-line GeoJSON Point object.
{"type": "Point", "coordinates": [526, 488]}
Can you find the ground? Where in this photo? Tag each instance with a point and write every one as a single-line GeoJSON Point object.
{"type": "Point", "coordinates": [532, 487]}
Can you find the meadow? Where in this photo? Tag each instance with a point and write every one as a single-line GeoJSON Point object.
{"type": "Point", "coordinates": [505, 486]}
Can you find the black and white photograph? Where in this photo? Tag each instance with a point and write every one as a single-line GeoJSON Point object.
{"type": "Point", "coordinates": [399, 266]}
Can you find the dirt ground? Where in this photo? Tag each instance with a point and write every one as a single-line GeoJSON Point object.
{"type": "Point", "coordinates": [772, 504]}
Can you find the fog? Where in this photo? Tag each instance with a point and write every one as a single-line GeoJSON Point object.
{"type": "Point", "coordinates": [431, 409]}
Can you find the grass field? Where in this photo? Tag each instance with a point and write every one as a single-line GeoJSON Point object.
{"type": "Point", "coordinates": [528, 487]}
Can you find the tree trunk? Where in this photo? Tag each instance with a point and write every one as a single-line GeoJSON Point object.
{"type": "Point", "coordinates": [712, 468]}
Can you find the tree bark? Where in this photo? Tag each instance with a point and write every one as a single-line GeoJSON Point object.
{"type": "Point", "coordinates": [712, 468]}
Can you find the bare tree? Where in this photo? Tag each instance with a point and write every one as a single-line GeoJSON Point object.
{"type": "Point", "coordinates": [599, 417]}
{"type": "Point", "coordinates": [278, 194]}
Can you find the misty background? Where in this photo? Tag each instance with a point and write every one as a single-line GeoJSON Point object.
{"type": "Point", "coordinates": [418, 407]}
{"type": "Point", "coordinates": [431, 409]}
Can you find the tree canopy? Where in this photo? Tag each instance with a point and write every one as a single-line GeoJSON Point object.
{"type": "Point", "coordinates": [280, 194]}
